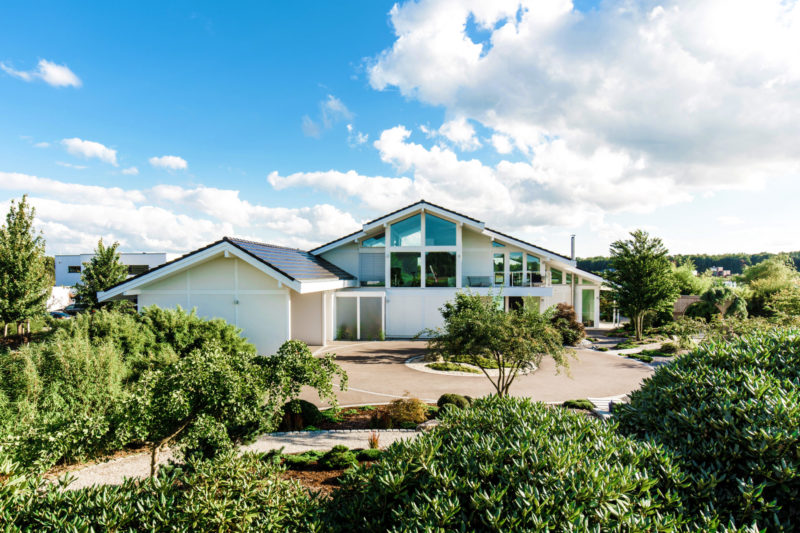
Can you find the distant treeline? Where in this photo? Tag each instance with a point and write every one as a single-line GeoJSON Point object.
{"type": "Point", "coordinates": [736, 263]}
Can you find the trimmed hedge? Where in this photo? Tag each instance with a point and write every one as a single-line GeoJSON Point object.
{"type": "Point", "coordinates": [509, 465]}
{"type": "Point", "coordinates": [730, 411]}
{"type": "Point", "coordinates": [453, 399]}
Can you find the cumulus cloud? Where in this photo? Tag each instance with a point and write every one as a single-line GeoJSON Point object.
{"type": "Point", "coordinates": [689, 95]}
{"type": "Point", "coordinates": [461, 133]}
{"type": "Point", "coordinates": [331, 111]}
{"type": "Point", "coordinates": [130, 171]}
{"type": "Point", "coordinates": [354, 137]}
{"type": "Point", "coordinates": [73, 216]}
{"type": "Point", "coordinates": [90, 149]}
{"type": "Point", "coordinates": [170, 162]}
{"type": "Point", "coordinates": [51, 73]}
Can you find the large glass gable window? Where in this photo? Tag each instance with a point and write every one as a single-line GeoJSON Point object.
{"type": "Point", "coordinates": [440, 269]}
{"type": "Point", "coordinates": [439, 232]}
{"type": "Point", "coordinates": [407, 232]}
{"type": "Point", "coordinates": [406, 269]}
{"type": "Point", "coordinates": [378, 241]}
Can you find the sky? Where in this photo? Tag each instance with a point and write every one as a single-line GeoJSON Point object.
{"type": "Point", "coordinates": [166, 125]}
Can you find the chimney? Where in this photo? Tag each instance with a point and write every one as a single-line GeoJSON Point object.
{"type": "Point", "coordinates": [572, 242]}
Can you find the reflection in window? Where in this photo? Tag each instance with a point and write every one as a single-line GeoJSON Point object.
{"type": "Point", "coordinates": [569, 279]}
{"type": "Point", "coordinates": [405, 269]}
{"type": "Point", "coordinates": [407, 232]}
{"type": "Point", "coordinates": [439, 232]}
{"type": "Point", "coordinates": [378, 241]}
{"type": "Point", "coordinates": [499, 269]}
{"type": "Point", "coordinates": [533, 264]}
{"type": "Point", "coordinates": [440, 269]}
{"type": "Point", "coordinates": [515, 268]}
{"type": "Point", "coordinates": [555, 276]}
{"type": "Point", "coordinates": [498, 245]}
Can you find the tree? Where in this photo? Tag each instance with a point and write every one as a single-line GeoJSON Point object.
{"type": "Point", "coordinates": [687, 282]}
{"type": "Point", "coordinates": [104, 271]}
{"type": "Point", "coordinates": [766, 279]}
{"type": "Point", "coordinates": [641, 277]}
{"type": "Point", "coordinates": [786, 302]}
{"type": "Point", "coordinates": [477, 331]}
{"type": "Point", "coordinates": [23, 268]}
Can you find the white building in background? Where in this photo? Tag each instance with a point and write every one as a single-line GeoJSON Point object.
{"type": "Point", "coordinates": [388, 279]}
{"type": "Point", "coordinates": [69, 267]}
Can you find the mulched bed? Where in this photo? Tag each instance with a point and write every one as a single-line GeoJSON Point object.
{"type": "Point", "coordinates": [323, 481]}
{"type": "Point", "coordinates": [357, 418]}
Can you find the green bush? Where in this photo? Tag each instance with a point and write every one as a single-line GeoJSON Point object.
{"type": "Point", "coordinates": [228, 494]}
{"type": "Point", "coordinates": [407, 411]}
{"type": "Point", "coordinates": [512, 465]}
{"type": "Point", "coordinates": [448, 366]}
{"type": "Point", "coordinates": [730, 412]}
{"type": "Point", "coordinates": [297, 414]}
{"type": "Point", "coordinates": [670, 348]}
{"type": "Point", "coordinates": [337, 458]}
{"type": "Point", "coordinates": [566, 322]}
{"type": "Point", "coordinates": [582, 403]}
{"type": "Point", "coordinates": [370, 454]}
{"type": "Point", "coordinates": [643, 357]}
{"type": "Point", "coordinates": [301, 460]}
{"type": "Point", "coordinates": [452, 399]}
{"type": "Point", "coordinates": [602, 348]}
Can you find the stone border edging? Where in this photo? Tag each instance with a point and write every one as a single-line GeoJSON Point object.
{"type": "Point", "coordinates": [328, 431]}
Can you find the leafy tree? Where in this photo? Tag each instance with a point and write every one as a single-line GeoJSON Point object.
{"type": "Point", "coordinates": [686, 280]}
{"type": "Point", "coordinates": [565, 320]}
{"type": "Point", "coordinates": [641, 277]}
{"type": "Point", "coordinates": [786, 302]}
{"type": "Point", "coordinates": [104, 271]}
{"type": "Point", "coordinates": [768, 278]}
{"type": "Point", "coordinates": [23, 267]}
{"type": "Point", "coordinates": [480, 333]}
{"type": "Point", "coordinates": [725, 300]}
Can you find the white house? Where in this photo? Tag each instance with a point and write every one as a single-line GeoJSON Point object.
{"type": "Point", "coordinates": [390, 277]}
{"type": "Point", "coordinates": [69, 267]}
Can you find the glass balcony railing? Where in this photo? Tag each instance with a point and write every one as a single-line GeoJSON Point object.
{"type": "Point", "coordinates": [516, 279]}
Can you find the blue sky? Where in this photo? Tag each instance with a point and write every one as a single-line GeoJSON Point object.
{"type": "Point", "coordinates": [293, 123]}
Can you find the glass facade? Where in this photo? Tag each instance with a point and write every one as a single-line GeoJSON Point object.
{"type": "Point", "coordinates": [439, 232]}
{"type": "Point", "coordinates": [407, 232]}
{"type": "Point", "coordinates": [515, 268]}
{"type": "Point", "coordinates": [533, 264]}
{"type": "Point", "coordinates": [556, 277]}
{"type": "Point", "coordinates": [346, 319]}
{"type": "Point", "coordinates": [569, 279]}
{"type": "Point", "coordinates": [498, 245]}
{"type": "Point", "coordinates": [370, 314]}
{"type": "Point", "coordinates": [378, 241]}
{"type": "Point", "coordinates": [440, 269]}
{"type": "Point", "coordinates": [499, 269]}
{"type": "Point", "coordinates": [405, 268]}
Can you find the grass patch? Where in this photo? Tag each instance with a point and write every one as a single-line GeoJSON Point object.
{"type": "Point", "coordinates": [452, 367]}
{"type": "Point", "coordinates": [656, 353]}
{"type": "Point", "coordinates": [602, 348]}
{"type": "Point", "coordinates": [641, 357]}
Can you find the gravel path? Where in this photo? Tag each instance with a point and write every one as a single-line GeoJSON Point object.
{"type": "Point", "coordinates": [138, 465]}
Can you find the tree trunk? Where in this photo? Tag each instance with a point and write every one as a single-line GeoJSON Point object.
{"type": "Point", "coordinates": [638, 324]}
{"type": "Point", "coordinates": [5, 330]}
{"type": "Point", "coordinates": [160, 444]}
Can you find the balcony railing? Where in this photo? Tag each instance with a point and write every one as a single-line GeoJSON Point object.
{"type": "Point", "coordinates": [516, 279]}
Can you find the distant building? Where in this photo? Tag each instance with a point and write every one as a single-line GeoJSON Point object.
{"type": "Point", "coordinates": [69, 267]}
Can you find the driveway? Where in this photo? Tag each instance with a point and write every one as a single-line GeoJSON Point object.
{"type": "Point", "coordinates": [377, 374]}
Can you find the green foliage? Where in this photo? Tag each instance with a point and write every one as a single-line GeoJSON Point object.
{"type": "Point", "coordinates": [475, 329]}
{"type": "Point", "coordinates": [103, 272]}
{"type": "Point", "coordinates": [602, 348]}
{"type": "Point", "coordinates": [370, 454]}
{"type": "Point", "coordinates": [24, 274]}
{"type": "Point", "coordinates": [448, 366]}
{"type": "Point", "coordinates": [582, 403]}
{"type": "Point", "coordinates": [297, 414]}
{"type": "Point", "coordinates": [512, 465]}
{"type": "Point", "coordinates": [785, 302]}
{"type": "Point", "coordinates": [641, 277]}
{"type": "Point", "coordinates": [453, 399]}
{"type": "Point", "coordinates": [670, 348]}
{"type": "Point", "coordinates": [736, 263]}
{"type": "Point", "coordinates": [767, 279]}
{"type": "Point", "coordinates": [228, 494]}
{"type": "Point", "coordinates": [407, 411]}
{"type": "Point", "coordinates": [729, 410]}
{"type": "Point", "coordinates": [337, 458]}
{"type": "Point", "coordinates": [641, 356]}
{"type": "Point", "coordinates": [565, 320]}
{"type": "Point", "coordinates": [687, 282]}
{"type": "Point", "coordinates": [683, 329]}
{"type": "Point", "coordinates": [300, 461]}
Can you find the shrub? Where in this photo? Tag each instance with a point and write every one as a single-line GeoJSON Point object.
{"type": "Point", "coordinates": [643, 357]}
{"type": "Point", "coordinates": [602, 348]}
{"type": "Point", "coordinates": [337, 458]}
{"type": "Point", "coordinates": [512, 465]}
{"type": "Point", "coordinates": [371, 454]}
{"type": "Point", "coordinates": [297, 414]}
{"type": "Point", "coordinates": [670, 348]}
{"type": "Point", "coordinates": [301, 460]}
{"type": "Point", "coordinates": [566, 322]}
{"type": "Point", "coordinates": [729, 411]}
{"type": "Point", "coordinates": [227, 494]}
{"type": "Point", "coordinates": [582, 403]}
{"type": "Point", "coordinates": [407, 411]}
{"type": "Point", "coordinates": [374, 440]}
{"type": "Point", "coordinates": [452, 399]}
{"type": "Point", "coordinates": [447, 366]}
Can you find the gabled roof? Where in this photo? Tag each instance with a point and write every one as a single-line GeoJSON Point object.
{"type": "Point", "coordinates": [295, 264]}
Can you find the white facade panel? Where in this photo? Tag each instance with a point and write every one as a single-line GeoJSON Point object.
{"type": "Point", "coordinates": [264, 320]}
{"type": "Point", "coordinates": [345, 257]}
{"type": "Point", "coordinates": [65, 263]}
{"type": "Point", "coordinates": [307, 317]}
{"type": "Point", "coordinates": [409, 311]}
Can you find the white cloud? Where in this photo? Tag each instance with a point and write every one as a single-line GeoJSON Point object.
{"type": "Point", "coordinates": [310, 128]}
{"type": "Point", "coordinates": [668, 103]}
{"type": "Point", "coordinates": [170, 162]}
{"type": "Point", "coordinates": [130, 171]}
{"type": "Point", "coordinates": [73, 216]}
{"type": "Point", "coordinates": [461, 133]}
{"type": "Point", "coordinates": [90, 149]}
{"type": "Point", "coordinates": [51, 73]}
{"type": "Point", "coordinates": [355, 138]}
{"type": "Point", "coordinates": [42, 145]}
{"type": "Point", "coordinates": [334, 110]}
{"type": "Point", "coordinates": [70, 165]}
{"type": "Point", "coordinates": [728, 220]}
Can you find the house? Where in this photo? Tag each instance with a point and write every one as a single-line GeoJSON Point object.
{"type": "Point", "coordinates": [69, 267]}
{"type": "Point", "coordinates": [388, 279]}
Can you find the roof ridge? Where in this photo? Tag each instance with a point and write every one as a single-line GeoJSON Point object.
{"type": "Point", "coordinates": [239, 239]}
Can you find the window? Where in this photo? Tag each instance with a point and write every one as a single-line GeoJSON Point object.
{"type": "Point", "coordinates": [346, 319]}
{"type": "Point", "coordinates": [515, 268]}
{"type": "Point", "coordinates": [407, 232]}
{"type": "Point", "coordinates": [499, 269]}
{"type": "Point", "coordinates": [405, 269]}
{"type": "Point", "coordinates": [498, 245]}
{"type": "Point", "coordinates": [533, 267]}
{"type": "Point", "coordinates": [378, 241]}
{"type": "Point", "coordinates": [439, 232]}
{"type": "Point", "coordinates": [440, 269]}
{"type": "Point", "coordinates": [74, 269]}
{"type": "Point", "coordinates": [135, 270]}
{"type": "Point", "coordinates": [569, 279]}
{"type": "Point", "coordinates": [533, 264]}
{"type": "Point", "coordinates": [555, 276]}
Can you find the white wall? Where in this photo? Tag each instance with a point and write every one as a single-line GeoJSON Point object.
{"type": "Point", "coordinates": [345, 257]}
{"type": "Point", "coordinates": [409, 311]}
{"type": "Point", "coordinates": [307, 316]}
{"type": "Point", "coordinates": [63, 262]}
{"type": "Point", "coordinates": [231, 289]}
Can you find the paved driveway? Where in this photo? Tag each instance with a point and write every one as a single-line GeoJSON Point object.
{"type": "Point", "coordinates": [378, 375]}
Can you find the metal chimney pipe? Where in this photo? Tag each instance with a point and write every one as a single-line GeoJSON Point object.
{"type": "Point", "coordinates": [572, 242]}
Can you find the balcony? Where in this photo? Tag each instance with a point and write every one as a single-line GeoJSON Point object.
{"type": "Point", "coordinates": [516, 279]}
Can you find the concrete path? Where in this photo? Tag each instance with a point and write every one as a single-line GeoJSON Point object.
{"type": "Point", "coordinates": [138, 465]}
